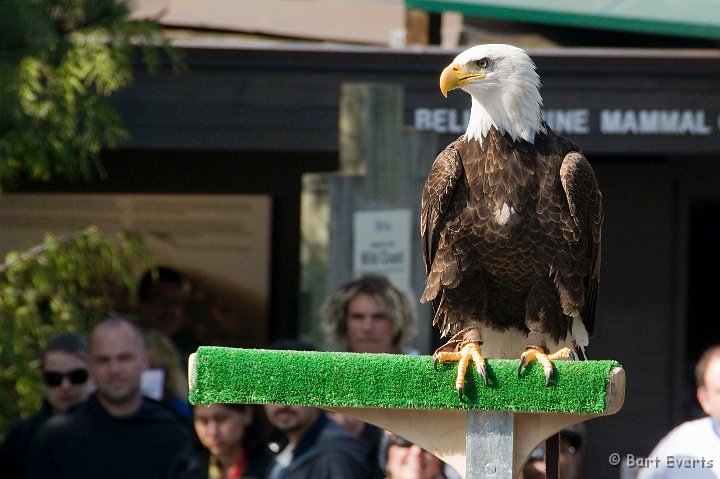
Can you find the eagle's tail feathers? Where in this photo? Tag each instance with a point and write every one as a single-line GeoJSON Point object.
{"type": "Point", "coordinates": [578, 353]}
{"type": "Point", "coordinates": [432, 288]}
{"type": "Point", "coordinates": [579, 335]}
{"type": "Point", "coordinates": [439, 309]}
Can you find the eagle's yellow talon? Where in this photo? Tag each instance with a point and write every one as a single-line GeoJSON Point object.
{"type": "Point", "coordinates": [536, 354]}
{"type": "Point", "coordinates": [564, 353]}
{"type": "Point", "coordinates": [469, 351]}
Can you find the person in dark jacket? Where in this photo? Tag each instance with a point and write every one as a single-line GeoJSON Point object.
{"type": "Point", "coordinates": [317, 448]}
{"type": "Point", "coordinates": [117, 433]}
{"type": "Point", "coordinates": [231, 444]}
{"type": "Point", "coordinates": [314, 446]}
{"type": "Point", "coordinates": [65, 383]}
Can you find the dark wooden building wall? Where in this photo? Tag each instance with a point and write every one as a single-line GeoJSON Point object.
{"type": "Point", "coordinates": [277, 174]}
{"type": "Point", "coordinates": [287, 100]}
{"type": "Point", "coordinates": [643, 311]}
{"type": "Point", "coordinates": [635, 313]}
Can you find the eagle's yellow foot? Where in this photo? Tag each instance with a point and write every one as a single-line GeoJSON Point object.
{"type": "Point", "coordinates": [540, 354]}
{"type": "Point", "coordinates": [468, 350]}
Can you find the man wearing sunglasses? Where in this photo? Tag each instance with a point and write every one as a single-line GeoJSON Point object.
{"type": "Point", "coordinates": [65, 383]}
{"type": "Point", "coordinates": [117, 432]}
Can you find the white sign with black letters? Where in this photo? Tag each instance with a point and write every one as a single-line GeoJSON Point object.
{"type": "Point", "coordinates": [382, 244]}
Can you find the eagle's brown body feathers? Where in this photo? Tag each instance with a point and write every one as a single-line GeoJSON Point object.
{"type": "Point", "coordinates": [511, 235]}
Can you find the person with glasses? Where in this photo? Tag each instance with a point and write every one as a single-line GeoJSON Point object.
{"type": "Point", "coordinates": [402, 459]}
{"type": "Point", "coordinates": [117, 433]}
{"type": "Point", "coordinates": [66, 382]}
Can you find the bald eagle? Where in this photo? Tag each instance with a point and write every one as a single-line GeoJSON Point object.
{"type": "Point", "coordinates": [511, 222]}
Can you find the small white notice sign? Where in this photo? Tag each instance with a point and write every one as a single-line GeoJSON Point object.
{"type": "Point", "coordinates": [382, 245]}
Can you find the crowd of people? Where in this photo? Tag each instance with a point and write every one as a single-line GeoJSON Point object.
{"type": "Point", "coordinates": [115, 405]}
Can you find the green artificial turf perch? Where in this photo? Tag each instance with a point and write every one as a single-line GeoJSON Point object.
{"type": "Point", "coordinates": [322, 379]}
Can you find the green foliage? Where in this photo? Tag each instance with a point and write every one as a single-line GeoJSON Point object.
{"type": "Point", "coordinates": [59, 61]}
{"type": "Point", "coordinates": [65, 283]}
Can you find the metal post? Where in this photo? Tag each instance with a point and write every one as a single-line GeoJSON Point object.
{"type": "Point", "coordinates": [552, 457]}
{"type": "Point", "coordinates": [489, 445]}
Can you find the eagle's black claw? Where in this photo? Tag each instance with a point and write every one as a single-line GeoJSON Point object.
{"type": "Point", "coordinates": [435, 363]}
{"type": "Point", "coordinates": [460, 391]}
{"type": "Point", "coordinates": [548, 377]}
{"type": "Point", "coordinates": [483, 372]}
{"type": "Point", "coordinates": [521, 365]}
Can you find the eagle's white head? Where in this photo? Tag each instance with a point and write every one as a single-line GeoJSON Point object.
{"type": "Point", "coordinates": [504, 86]}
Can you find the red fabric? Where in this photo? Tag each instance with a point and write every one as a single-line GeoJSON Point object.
{"type": "Point", "coordinates": [238, 470]}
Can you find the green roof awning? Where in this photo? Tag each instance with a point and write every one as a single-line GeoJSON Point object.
{"type": "Point", "coordinates": [688, 18]}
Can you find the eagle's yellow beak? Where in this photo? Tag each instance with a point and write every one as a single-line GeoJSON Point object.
{"type": "Point", "coordinates": [453, 77]}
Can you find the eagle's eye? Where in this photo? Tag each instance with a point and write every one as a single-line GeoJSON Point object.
{"type": "Point", "coordinates": [482, 63]}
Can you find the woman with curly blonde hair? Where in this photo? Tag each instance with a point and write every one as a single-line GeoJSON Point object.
{"type": "Point", "coordinates": [368, 315]}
